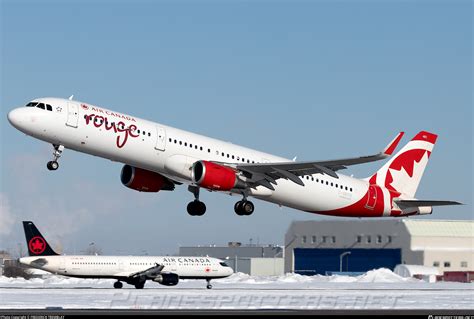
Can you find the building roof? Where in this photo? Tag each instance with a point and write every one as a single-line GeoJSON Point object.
{"type": "Point", "coordinates": [440, 228]}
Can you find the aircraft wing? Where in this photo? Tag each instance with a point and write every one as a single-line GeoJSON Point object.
{"type": "Point", "coordinates": [266, 174]}
{"type": "Point", "coordinates": [149, 273]}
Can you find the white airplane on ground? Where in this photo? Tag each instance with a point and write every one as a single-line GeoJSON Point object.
{"type": "Point", "coordinates": [134, 270]}
{"type": "Point", "coordinates": [158, 157]}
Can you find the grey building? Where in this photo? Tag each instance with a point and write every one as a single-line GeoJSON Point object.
{"type": "Point", "coordinates": [319, 247]}
{"type": "Point", "coordinates": [256, 260]}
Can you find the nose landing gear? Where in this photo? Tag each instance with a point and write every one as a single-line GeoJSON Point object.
{"type": "Point", "coordinates": [58, 150]}
{"type": "Point", "coordinates": [209, 286]}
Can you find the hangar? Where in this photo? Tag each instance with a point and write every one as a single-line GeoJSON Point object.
{"type": "Point", "coordinates": [353, 245]}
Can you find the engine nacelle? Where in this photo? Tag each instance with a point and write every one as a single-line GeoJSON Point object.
{"type": "Point", "coordinates": [215, 177]}
{"type": "Point", "coordinates": [167, 279]}
{"type": "Point", "coordinates": [143, 180]}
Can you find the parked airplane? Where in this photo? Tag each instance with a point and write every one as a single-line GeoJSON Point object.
{"type": "Point", "coordinates": [134, 270]}
{"type": "Point", "coordinates": [158, 157]}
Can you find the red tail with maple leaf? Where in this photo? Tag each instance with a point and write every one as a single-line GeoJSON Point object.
{"type": "Point", "coordinates": [402, 173]}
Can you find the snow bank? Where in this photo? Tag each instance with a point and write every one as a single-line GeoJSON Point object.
{"type": "Point", "coordinates": [382, 275]}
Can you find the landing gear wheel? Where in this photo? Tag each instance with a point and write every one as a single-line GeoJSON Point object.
{"type": "Point", "coordinates": [140, 285]}
{"type": "Point", "coordinates": [209, 286]}
{"type": "Point", "coordinates": [118, 285]}
{"type": "Point", "coordinates": [248, 208]}
{"type": "Point", "coordinates": [196, 208]}
{"type": "Point", "coordinates": [238, 208]}
{"type": "Point", "coordinates": [244, 208]}
{"type": "Point", "coordinates": [52, 165]}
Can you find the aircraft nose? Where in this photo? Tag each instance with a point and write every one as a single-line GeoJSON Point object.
{"type": "Point", "coordinates": [15, 118]}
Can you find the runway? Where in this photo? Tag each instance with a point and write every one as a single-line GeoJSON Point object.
{"type": "Point", "coordinates": [378, 291]}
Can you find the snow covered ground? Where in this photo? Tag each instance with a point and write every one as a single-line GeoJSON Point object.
{"type": "Point", "coordinates": [378, 289]}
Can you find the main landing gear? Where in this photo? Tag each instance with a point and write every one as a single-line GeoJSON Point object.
{"type": "Point", "coordinates": [196, 207]}
{"type": "Point", "coordinates": [54, 165]}
{"type": "Point", "coordinates": [118, 285]}
{"type": "Point", "coordinates": [209, 286]}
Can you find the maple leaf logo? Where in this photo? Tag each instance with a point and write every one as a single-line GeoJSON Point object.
{"type": "Point", "coordinates": [37, 245]}
{"type": "Point", "coordinates": [406, 179]}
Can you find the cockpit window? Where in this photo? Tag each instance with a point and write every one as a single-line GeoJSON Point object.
{"type": "Point", "coordinates": [32, 104]}
{"type": "Point", "coordinates": [41, 106]}
{"type": "Point", "coordinates": [49, 107]}
{"type": "Point", "coordinates": [223, 264]}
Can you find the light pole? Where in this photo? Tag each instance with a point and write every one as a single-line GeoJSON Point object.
{"type": "Point", "coordinates": [341, 256]}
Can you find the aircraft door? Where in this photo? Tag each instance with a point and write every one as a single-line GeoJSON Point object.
{"type": "Point", "coordinates": [62, 266]}
{"type": "Point", "coordinates": [372, 197]}
{"type": "Point", "coordinates": [72, 114]}
{"type": "Point", "coordinates": [161, 138]}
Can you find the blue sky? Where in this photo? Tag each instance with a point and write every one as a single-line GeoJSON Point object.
{"type": "Point", "coordinates": [313, 79]}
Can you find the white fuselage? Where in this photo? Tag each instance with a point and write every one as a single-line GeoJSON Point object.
{"type": "Point", "coordinates": [171, 152]}
{"type": "Point", "coordinates": [121, 267]}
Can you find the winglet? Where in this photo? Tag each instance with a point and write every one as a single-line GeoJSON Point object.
{"type": "Point", "coordinates": [393, 144]}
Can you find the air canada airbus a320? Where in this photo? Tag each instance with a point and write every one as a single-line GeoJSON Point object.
{"type": "Point", "coordinates": [159, 157]}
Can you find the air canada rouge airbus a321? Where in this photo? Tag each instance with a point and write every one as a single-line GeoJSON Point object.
{"type": "Point", "coordinates": [159, 157]}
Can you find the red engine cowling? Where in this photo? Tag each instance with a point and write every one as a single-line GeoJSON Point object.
{"type": "Point", "coordinates": [214, 176]}
{"type": "Point", "coordinates": [142, 180]}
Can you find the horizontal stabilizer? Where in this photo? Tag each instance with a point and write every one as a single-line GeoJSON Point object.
{"type": "Point", "coordinates": [406, 203]}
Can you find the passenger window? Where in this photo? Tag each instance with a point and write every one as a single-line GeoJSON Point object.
{"type": "Point", "coordinates": [200, 148]}
{"type": "Point", "coordinates": [190, 145]}
{"type": "Point", "coordinates": [208, 150]}
{"type": "Point", "coordinates": [137, 131]}
{"type": "Point", "coordinates": [232, 156]}
{"type": "Point", "coordinates": [222, 153]}
{"type": "Point", "coordinates": [169, 140]}
{"type": "Point", "coordinates": [195, 146]}
{"type": "Point", "coordinates": [175, 141]}
{"type": "Point", "coordinates": [144, 133]}
{"type": "Point", "coordinates": [180, 143]}
{"type": "Point", "coordinates": [185, 144]}
{"type": "Point", "coordinates": [149, 134]}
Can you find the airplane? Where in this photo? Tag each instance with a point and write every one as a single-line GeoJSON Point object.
{"type": "Point", "coordinates": [134, 270]}
{"type": "Point", "coordinates": [159, 157]}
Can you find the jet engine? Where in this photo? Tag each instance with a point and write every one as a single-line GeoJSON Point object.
{"type": "Point", "coordinates": [215, 177]}
{"type": "Point", "coordinates": [167, 279]}
{"type": "Point", "coordinates": [144, 181]}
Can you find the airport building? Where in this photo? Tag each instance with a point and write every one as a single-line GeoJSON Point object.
{"type": "Point", "coordinates": [255, 260]}
{"type": "Point", "coordinates": [354, 245]}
